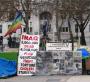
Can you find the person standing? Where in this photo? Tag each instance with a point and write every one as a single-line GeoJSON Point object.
{"type": "Point", "coordinates": [45, 28]}
{"type": "Point", "coordinates": [10, 41]}
{"type": "Point", "coordinates": [1, 43]}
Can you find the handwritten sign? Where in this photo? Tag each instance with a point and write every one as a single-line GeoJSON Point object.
{"type": "Point", "coordinates": [29, 44]}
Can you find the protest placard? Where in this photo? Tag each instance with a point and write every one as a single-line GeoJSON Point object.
{"type": "Point", "coordinates": [29, 44]}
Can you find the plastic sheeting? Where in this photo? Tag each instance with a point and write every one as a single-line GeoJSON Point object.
{"type": "Point", "coordinates": [85, 53]}
{"type": "Point", "coordinates": [7, 68]}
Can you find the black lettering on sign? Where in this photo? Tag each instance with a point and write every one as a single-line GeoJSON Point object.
{"type": "Point", "coordinates": [24, 72]}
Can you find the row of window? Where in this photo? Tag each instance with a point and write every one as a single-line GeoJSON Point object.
{"type": "Point", "coordinates": [63, 29]}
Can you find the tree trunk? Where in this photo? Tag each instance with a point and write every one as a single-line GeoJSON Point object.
{"type": "Point", "coordinates": [71, 34]}
{"type": "Point", "coordinates": [59, 30]}
{"type": "Point", "coordinates": [59, 38]}
{"type": "Point", "coordinates": [27, 25]}
{"type": "Point", "coordinates": [57, 18]}
{"type": "Point", "coordinates": [27, 28]}
{"type": "Point", "coordinates": [82, 38]}
{"type": "Point", "coordinates": [57, 27]}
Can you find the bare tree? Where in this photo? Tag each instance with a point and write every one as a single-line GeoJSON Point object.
{"type": "Point", "coordinates": [79, 11]}
{"type": "Point", "coordinates": [24, 6]}
{"type": "Point", "coordinates": [81, 15]}
{"type": "Point", "coordinates": [5, 8]}
{"type": "Point", "coordinates": [67, 14]}
{"type": "Point", "coordinates": [28, 6]}
{"type": "Point", "coordinates": [8, 9]}
{"type": "Point", "coordinates": [71, 8]}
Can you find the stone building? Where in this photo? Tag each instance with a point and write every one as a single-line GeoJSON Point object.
{"type": "Point", "coordinates": [44, 12]}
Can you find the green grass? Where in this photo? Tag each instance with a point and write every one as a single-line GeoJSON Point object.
{"type": "Point", "coordinates": [14, 56]}
{"type": "Point", "coordinates": [9, 55]}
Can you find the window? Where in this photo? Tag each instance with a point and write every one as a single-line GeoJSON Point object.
{"type": "Point", "coordinates": [64, 29]}
{"type": "Point", "coordinates": [45, 16]}
{"type": "Point", "coordinates": [0, 28]}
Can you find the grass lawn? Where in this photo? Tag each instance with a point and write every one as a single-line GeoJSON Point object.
{"type": "Point", "coordinates": [14, 56]}
{"type": "Point", "coordinates": [9, 55]}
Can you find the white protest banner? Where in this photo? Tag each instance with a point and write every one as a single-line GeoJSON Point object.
{"type": "Point", "coordinates": [26, 55]}
{"type": "Point", "coordinates": [29, 44]}
{"type": "Point", "coordinates": [58, 46]}
{"type": "Point", "coordinates": [27, 67]}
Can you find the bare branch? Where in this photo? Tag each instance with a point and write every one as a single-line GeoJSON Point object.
{"type": "Point", "coordinates": [87, 18]}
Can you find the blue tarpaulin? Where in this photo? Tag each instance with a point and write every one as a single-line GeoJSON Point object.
{"type": "Point", "coordinates": [85, 53]}
{"type": "Point", "coordinates": [7, 68]}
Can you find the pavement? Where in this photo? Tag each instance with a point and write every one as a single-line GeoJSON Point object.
{"type": "Point", "coordinates": [55, 78]}
{"type": "Point", "coordinates": [79, 79]}
{"type": "Point", "coordinates": [7, 49]}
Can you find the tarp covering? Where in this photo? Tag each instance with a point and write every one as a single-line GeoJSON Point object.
{"type": "Point", "coordinates": [7, 68]}
{"type": "Point", "coordinates": [85, 53]}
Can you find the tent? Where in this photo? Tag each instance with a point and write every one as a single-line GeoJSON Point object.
{"type": "Point", "coordinates": [7, 68]}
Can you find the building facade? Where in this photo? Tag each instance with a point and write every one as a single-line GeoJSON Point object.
{"type": "Point", "coordinates": [45, 16]}
{"type": "Point", "coordinates": [37, 22]}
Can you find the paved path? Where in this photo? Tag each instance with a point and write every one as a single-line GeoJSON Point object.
{"type": "Point", "coordinates": [68, 78]}
{"type": "Point", "coordinates": [79, 79]}
{"type": "Point", "coordinates": [11, 49]}
{"type": "Point", "coordinates": [37, 79]}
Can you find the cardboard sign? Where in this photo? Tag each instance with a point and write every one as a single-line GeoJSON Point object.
{"type": "Point", "coordinates": [58, 46]}
{"type": "Point", "coordinates": [29, 44]}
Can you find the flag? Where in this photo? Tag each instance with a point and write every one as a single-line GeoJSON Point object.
{"type": "Point", "coordinates": [15, 25]}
